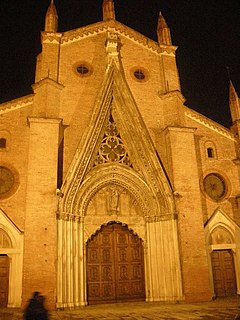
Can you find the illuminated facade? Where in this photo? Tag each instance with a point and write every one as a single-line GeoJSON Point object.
{"type": "Point", "coordinates": [111, 189]}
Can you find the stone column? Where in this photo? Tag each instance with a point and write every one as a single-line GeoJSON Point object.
{"type": "Point", "coordinates": [164, 281]}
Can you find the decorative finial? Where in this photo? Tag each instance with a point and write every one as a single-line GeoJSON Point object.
{"type": "Point", "coordinates": [108, 10]}
{"type": "Point", "coordinates": [163, 32]}
{"type": "Point", "coordinates": [112, 47]}
{"type": "Point", "coordinates": [51, 19]}
{"type": "Point", "coordinates": [234, 103]}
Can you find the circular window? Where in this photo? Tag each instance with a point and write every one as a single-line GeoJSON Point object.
{"type": "Point", "coordinates": [82, 69]}
{"type": "Point", "coordinates": [6, 180]}
{"type": "Point", "coordinates": [9, 181]}
{"type": "Point", "coordinates": [215, 186]}
{"type": "Point", "coordinates": [139, 74]}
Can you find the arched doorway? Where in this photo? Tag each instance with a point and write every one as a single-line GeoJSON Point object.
{"type": "Point", "coordinates": [223, 269]}
{"type": "Point", "coordinates": [223, 273]}
{"type": "Point", "coordinates": [115, 265]}
{"type": "Point", "coordinates": [4, 280]}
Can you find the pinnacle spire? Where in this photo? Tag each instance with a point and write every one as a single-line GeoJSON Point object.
{"type": "Point", "coordinates": [51, 19]}
{"type": "Point", "coordinates": [234, 103]}
{"type": "Point", "coordinates": [108, 10]}
{"type": "Point", "coordinates": [163, 32]}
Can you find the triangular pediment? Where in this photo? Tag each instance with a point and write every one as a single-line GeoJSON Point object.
{"type": "Point", "coordinates": [219, 217]}
{"type": "Point", "coordinates": [11, 237]}
{"type": "Point", "coordinates": [118, 136]}
{"type": "Point", "coordinates": [221, 230]}
{"type": "Point", "coordinates": [117, 28]}
{"type": "Point", "coordinates": [6, 222]}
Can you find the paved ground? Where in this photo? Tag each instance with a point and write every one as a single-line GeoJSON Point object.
{"type": "Point", "coordinates": [224, 309]}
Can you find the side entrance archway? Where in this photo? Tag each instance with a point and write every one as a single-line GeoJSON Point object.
{"type": "Point", "coordinates": [4, 280]}
{"type": "Point", "coordinates": [223, 273]}
{"type": "Point", "coordinates": [115, 266]}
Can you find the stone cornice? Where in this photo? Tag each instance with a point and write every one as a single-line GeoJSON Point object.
{"type": "Point", "coordinates": [119, 28]}
{"type": "Point", "coordinates": [206, 122]}
{"type": "Point", "coordinates": [47, 81]}
{"type": "Point", "coordinates": [16, 104]}
{"type": "Point", "coordinates": [171, 94]}
{"type": "Point", "coordinates": [51, 37]}
{"type": "Point", "coordinates": [44, 120]}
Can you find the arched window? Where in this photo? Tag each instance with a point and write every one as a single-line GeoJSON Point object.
{"type": "Point", "coordinates": [210, 152]}
{"type": "Point", "coordinates": [3, 143]}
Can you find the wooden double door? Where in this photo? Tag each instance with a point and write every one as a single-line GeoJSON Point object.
{"type": "Point", "coordinates": [115, 266]}
{"type": "Point", "coordinates": [4, 280]}
{"type": "Point", "coordinates": [223, 273]}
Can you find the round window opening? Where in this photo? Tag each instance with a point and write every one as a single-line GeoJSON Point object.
{"type": "Point", "coordinates": [139, 74]}
{"type": "Point", "coordinates": [6, 180]}
{"type": "Point", "coordinates": [82, 69]}
{"type": "Point", "coordinates": [215, 186]}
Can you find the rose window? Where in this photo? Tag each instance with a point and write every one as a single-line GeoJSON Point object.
{"type": "Point", "coordinates": [112, 148]}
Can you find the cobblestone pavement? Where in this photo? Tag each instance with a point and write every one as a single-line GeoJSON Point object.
{"type": "Point", "coordinates": [224, 309]}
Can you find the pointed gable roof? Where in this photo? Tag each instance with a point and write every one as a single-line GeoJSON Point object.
{"type": "Point", "coordinates": [119, 28]}
{"type": "Point", "coordinates": [146, 178]}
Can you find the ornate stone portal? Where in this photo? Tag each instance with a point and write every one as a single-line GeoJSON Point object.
{"type": "Point", "coordinates": [116, 176]}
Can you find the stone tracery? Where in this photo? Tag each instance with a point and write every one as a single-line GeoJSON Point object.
{"type": "Point", "coordinates": [112, 148]}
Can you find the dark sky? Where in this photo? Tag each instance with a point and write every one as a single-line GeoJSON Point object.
{"type": "Point", "coordinates": [206, 32]}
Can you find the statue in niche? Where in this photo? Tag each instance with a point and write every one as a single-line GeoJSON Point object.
{"type": "Point", "coordinates": [112, 201]}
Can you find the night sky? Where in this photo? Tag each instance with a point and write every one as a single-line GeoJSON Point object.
{"type": "Point", "coordinates": [206, 32]}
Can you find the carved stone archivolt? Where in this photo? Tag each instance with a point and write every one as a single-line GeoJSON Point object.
{"type": "Point", "coordinates": [116, 151]}
{"type": "Point", "coordinates": [113, 181]}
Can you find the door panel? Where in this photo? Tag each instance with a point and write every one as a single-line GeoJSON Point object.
{"type": "Point", "coordinates": [4, 280]}
{"type": "Point", "coordinates": [223, 273]}
{"type": "Point", "coordinates": [115, 269]}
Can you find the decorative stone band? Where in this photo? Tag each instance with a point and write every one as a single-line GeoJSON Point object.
{"type": "Point", "coordinates": [118, 28]}
{"type": "Point", "coordinates": [152, 219]}
{"type": "Point", "coordinates": [69, 217]}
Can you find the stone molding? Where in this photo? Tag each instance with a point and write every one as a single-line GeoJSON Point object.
{"type": "Point", "coordinates": [197, 117]}
{"type": "Point", "coordinates": [51, 37]}
{"type": "Point", "coordinates": [16, 104]}
{"type": "Point", "coordinates": [115, 96]}
{"type": "Point", "coordinates": [118, 28]}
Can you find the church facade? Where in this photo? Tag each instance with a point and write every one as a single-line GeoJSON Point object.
{"type": "Point", "coordinates": [111, 189]}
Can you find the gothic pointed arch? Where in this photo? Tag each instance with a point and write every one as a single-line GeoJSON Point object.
{"type": "Point", "coordinates": [11, 245]}
{"type": "Point", "coordinates": [5, 241]}
{"type": "Point", "coordinates": [115, 102]}
{"type": "Point", "coordinates": [220, 229]}
{"type": "Point", "coordinates": [115, 175]}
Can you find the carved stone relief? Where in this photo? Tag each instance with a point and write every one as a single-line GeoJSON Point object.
{"type": "Point", "coordinates": [220, 236]}
{"type": "Point", "coordinates": [113, 200]}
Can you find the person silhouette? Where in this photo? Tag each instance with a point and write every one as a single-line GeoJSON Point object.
{"type": "Point", "coordinates": [35, 309]}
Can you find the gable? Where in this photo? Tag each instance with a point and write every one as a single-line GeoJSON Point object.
{"type": "Point", "coordinates": [220, 228]}
{"type": "Point", "coordinates": [144, 171]}
{"type": "Point", "coordinates": [10, 234]}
